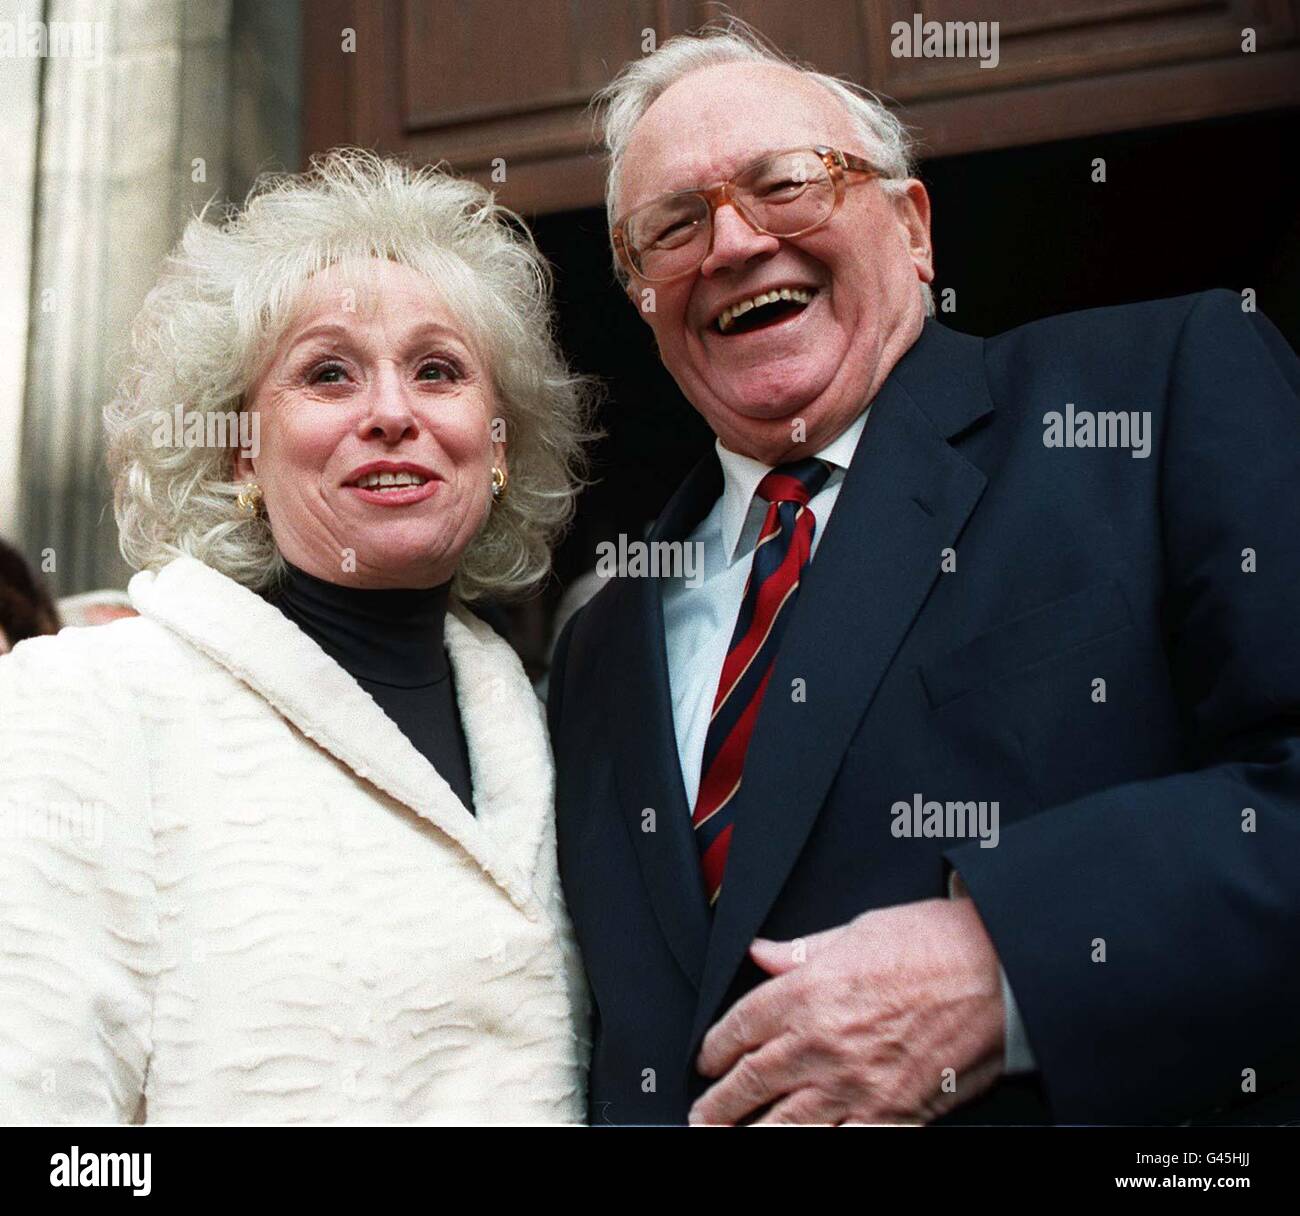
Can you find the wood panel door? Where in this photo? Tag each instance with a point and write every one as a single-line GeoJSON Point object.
{"type": "Point", "coordinates": [500, 88]}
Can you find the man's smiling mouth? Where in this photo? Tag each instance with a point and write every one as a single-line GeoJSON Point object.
{"type": "Point", "coordinates": [763, 309]}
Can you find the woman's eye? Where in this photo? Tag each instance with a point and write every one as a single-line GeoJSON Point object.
{"type": "Point", "coordinates": [436, 370]}
{"type": "Point", "coordinates": [327, 373]}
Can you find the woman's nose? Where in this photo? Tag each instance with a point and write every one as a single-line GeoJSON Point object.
{"type": "Point", "coordinates": [735, 242]}
{"type": "Point", "coordinates": [389, 416]}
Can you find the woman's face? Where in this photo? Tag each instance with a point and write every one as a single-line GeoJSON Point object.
{"type": "Point", "coordinates": [374, 381]}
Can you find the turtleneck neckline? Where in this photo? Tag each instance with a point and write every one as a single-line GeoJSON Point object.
{"type": "Point", "coordinates": [391, 637]}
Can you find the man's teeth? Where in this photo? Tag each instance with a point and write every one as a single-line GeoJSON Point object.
{"type": "Point", "coordinates": [797, 294]}
{"type": "Point", "coordinates": [374, 481]}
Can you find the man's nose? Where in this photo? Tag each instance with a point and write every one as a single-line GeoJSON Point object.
{"type": "Point", "coordinates": [390, 416]}
{"type": "Point", "coordinates": [735, 242]}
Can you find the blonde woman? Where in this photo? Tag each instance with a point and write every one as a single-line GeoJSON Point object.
{"type": "Point", "coordinates": [288, 850]}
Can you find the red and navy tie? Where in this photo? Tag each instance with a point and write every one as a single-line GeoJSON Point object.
{"type": "Point", "coordinates": [784, 546]}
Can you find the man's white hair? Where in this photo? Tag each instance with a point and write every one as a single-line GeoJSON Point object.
{"type": "Point", "coordinates": [229, 290]}
{"type": "Point", "coordinates": [622, 103]}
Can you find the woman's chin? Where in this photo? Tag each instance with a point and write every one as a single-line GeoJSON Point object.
{"type": "Point", "coordinates": [409, 558]}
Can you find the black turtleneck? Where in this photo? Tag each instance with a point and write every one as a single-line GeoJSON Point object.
{"type": "Point", "coordinates": [391, 643]}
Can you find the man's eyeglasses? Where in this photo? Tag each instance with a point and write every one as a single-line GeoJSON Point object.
{"type": "Point", "coordinates": [785, 194]}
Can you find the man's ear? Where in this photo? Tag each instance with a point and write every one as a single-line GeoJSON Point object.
{"type": "Point", "coordinates": [642, 297]}
{"type": "Point", "coordinates": [913, 210]}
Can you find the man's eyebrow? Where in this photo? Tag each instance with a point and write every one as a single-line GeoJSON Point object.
{"type": "Point", "coordinates": [750, 159]}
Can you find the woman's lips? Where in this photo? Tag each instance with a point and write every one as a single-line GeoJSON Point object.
{"type": "Point", "coordinates": [396, 496]}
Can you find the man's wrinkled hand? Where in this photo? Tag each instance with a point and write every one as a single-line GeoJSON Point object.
{"type": "Point", "coordinates": [894, 1017]}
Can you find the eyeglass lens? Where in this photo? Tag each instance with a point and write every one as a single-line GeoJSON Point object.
{"type": "Point", "coordinates": [780, 195]}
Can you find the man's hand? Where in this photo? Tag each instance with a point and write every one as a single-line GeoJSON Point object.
{"type": "Point", "coordinates": [894, 1017]}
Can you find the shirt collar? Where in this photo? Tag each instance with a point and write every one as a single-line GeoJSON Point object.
{"type": "Point", "coordinates": [741, 475]}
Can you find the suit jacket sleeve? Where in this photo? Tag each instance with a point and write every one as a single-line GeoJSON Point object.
{"type": "Point", "coordinates": [1017, 1055]}
{"type": "Point", "coordinates": [1151, 931]}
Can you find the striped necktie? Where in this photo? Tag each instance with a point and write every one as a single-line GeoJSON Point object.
{"type": "Point", "coordinates": [784, 546]}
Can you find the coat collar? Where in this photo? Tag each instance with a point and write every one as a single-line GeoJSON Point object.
{"type": "Point", "coordinates": [510, 762]}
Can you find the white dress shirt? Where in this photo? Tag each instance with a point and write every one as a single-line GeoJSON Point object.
{"type": "Point", "coordinates": [699, 620]}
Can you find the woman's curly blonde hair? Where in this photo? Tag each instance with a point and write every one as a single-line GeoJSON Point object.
{"type": "Point", "coordinates": [227, 293]}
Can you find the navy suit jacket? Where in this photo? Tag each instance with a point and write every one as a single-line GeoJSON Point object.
{"type": "Point", "coordinates": [1144, 895]}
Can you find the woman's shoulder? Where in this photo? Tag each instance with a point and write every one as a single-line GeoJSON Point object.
{"type": "Point", "coordinates": [119, 654]}
{"type": "Point", "coordinates": [73, 708]}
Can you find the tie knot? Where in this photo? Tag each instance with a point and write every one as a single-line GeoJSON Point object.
{"type": "Point", "coordinates": [797, 481]}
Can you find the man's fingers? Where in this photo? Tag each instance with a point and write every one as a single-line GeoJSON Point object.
{"type": "Point", "coordinates": [776, 958]}
{"type": "Point", "coordinates": [804, 1106]}
{"type": "Point", "coordinates": [759, 1016]}
{"type": "Point", "coordinates": [758, 1079]}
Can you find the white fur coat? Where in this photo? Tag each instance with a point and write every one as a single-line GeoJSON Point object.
{"type": "Point", "coordinates": [231, 890]}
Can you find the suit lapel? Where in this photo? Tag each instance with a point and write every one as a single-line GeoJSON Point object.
{"type": "Point", "coordinates": [907, 496]}
{"type": "Point", "coordinates": [646, 765]}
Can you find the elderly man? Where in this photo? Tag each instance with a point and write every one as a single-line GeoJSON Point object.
{"type": "Point", "coordinates": [964, 784]}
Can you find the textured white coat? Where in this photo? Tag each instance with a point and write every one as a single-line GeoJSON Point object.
{"type": "Point", "coordinates": [231, 890]}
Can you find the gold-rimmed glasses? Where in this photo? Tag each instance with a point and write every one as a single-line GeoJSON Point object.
{"type": "Point", "coordinates": [782, 194]}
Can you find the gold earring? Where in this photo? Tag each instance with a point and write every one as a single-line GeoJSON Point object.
{"type": "Point", "coordinates": [250, 499]}
{"type": "Point", "coordinates": [499, 480]}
